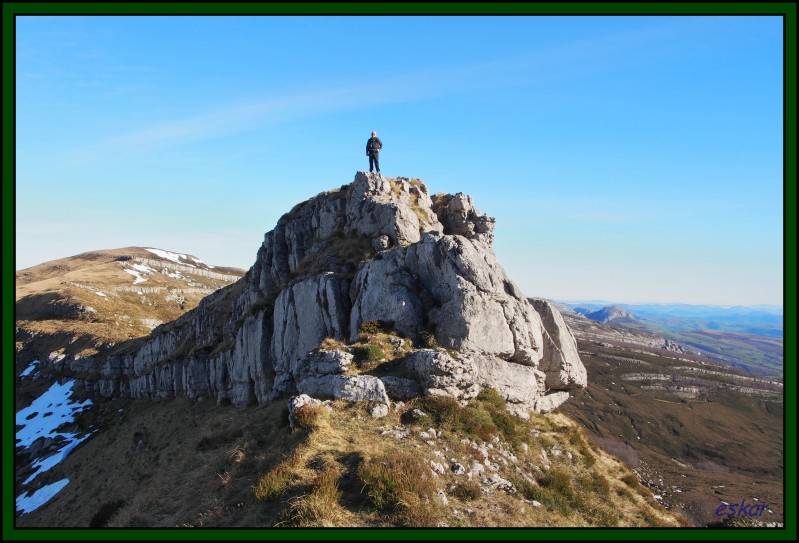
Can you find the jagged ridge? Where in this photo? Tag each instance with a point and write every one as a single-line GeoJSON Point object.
{"type": "Point", "coordinates": [379, 249]}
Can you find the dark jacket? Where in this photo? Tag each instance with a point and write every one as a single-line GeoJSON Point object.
{"type": "Point", "coordinates": [373, 145]}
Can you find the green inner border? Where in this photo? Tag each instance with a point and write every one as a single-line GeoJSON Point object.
{"type": "Point", "coordinates": [785, 9]}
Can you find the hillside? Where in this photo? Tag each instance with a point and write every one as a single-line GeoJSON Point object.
{"type": "Point", "coordinates": [608, 314]}
{"type": "Point", "coordinates": [83, 304]}
{"type": "Point", "coordinates": [113, 295]}
{"type": "Point", "coordinates": [696, 430]}
{"type": "Point", "coordinates": [374, 367]}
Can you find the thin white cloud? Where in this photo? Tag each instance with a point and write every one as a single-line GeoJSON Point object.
{"type": "Point", "coordinates": [534, 68]}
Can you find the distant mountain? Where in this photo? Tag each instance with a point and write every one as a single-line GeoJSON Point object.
{"type": "Point", "coordinates": [79, 304]}
{"type": "Point", "coordinates": [760, 320]}
{"type": "Point", "coordinates": [744, 337]}
{"type": "Point", "coordinates": [611, 313]}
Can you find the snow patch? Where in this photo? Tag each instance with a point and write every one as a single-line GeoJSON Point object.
{"type": "Point", "coordinates": [138, 277]}
{"type": "Point", "coordinates": [201, 262]}
{"type": "Point", "coordinates": [101, 293]}
{"type": "Point", "coordinates": [169, 255]}
{"type": "Point", "coordinates": [43, 417]}
{"type": "Point", "coordinates": [30, 369]}
{"type": "Point", "coordinates": [173, 275]}
{"type": "Point", "coordinates": [56, 356]}
{"type": "Point", "coordinates": [151, 323]}
{"type": "Point", "coordinates": [143, 268]}
{"type": "Point", "coordinates": [27, 503]}
{"type": "Point", "coordinates": [40, 465]}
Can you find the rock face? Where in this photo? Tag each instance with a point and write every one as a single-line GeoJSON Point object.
{"type": "Point", "coordinates": [379, 249]}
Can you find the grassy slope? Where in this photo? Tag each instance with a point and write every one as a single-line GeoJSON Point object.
{"type": "Point", "coordinates": [722, 446]}
{"type": "Point", "coordinates": [70, 305]}
{"type": "Point", "coordinates": [179, 463]}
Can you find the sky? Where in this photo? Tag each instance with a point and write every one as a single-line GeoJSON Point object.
{"type": "Point", "coordinates": [633, 159]}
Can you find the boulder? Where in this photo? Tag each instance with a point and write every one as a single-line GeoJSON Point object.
{"type": "Point", "coordinates": [323, 362]}
{"type": "Point", "coordinates": [561, 361]}
{"type": "Point", "coordinates": [400, 388]}
{"type": "Point", "coordinates": [459, 216]}
{"type": "Point", "coordinates": [464, 377]}
{"type": "Point", "coordinates": [358, 388]}
{"type": "Point", "coordinates": [549, 402]}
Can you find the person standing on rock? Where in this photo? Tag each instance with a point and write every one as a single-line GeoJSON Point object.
{"type": "Point", "coordinates": [373, 146]}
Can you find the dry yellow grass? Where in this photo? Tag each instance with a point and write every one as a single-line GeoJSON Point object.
{"type": "Point", "coordinates": [397, 487]}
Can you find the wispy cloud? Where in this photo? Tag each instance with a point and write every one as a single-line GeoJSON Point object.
{"type": "Point", "coordinates": [533, 68]}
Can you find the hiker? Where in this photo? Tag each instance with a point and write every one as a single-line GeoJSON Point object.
{"type": "Point", "coordinates": [373, 146]}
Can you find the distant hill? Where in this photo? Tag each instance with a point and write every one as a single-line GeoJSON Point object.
{"type": "Point", "coordinates": [611, 313]}
{"type": "Point", "coordinates": [78, 304]}
{"type": "Point", "coordinates": [746, 337]}
{"type": "Point", "coordinates": [761, 320]}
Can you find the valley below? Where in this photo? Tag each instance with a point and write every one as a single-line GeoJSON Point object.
{"type": "Point", "coordinates": [699, 433]}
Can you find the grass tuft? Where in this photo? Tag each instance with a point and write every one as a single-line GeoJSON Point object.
{"type": "Point", "coordinates": [308, 417]}
{"type": "Point", "coordinates": [271, 484]}
{"type": "Point", "coordinates": [467, 490]}
{"type": "Point", "coordinates": [401, 483]}
{"type": "Point", "coordinates": [319, 507]}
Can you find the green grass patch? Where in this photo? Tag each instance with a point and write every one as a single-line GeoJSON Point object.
{"type": "Point", "coordinates": [483, 418]}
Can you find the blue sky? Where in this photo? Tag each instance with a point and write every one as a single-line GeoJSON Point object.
{"type": "Point", "coordinates": [634, 159]}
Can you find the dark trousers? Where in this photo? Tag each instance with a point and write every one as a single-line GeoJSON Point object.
{"type": "Point", "coordinates": [374, 163]}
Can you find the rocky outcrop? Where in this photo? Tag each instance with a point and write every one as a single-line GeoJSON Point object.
{"type": "Point", "coordinates": [379, 249]}
{"type": "Point", "coordinates": [561, 361]}
{"type": "Point", "coordinates": [355, 388]}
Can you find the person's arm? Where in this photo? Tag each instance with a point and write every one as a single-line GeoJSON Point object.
{"type": "Point", "coordinates": [379, 144]}
{"type": "Point", "coordinates": [367, 147]}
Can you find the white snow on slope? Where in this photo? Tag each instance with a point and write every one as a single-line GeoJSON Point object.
{"type": "Point", "coordinates": [31, 502]}
{"type": "Point", "coordinates": [101, 293]}
{"type": "Point", "coordinates": [55, 356]}
{"type": "Point", "coordinates": [143, 268]}
{"type": "Point", "coordinates": [43, 417]}
{"type": "Point", "coordinates": [202, 262]}
{"type": "Point", "coordinates": [138, 277]}
{"type": "Point", "coordinates": [140, 272]}
{"type": "Point", "coordinates": [169, 255]}
{"type": "Point", "coordinates": [30, 369]}
{"type": "Point", "coordinates": [173, 275]}
{"type": "Point", "coordinates": [41, 465]}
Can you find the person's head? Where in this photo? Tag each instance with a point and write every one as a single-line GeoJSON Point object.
{"type": "Point", "coordinates": [374, 133]}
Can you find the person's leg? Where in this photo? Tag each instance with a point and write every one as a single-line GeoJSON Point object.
{"type": "Point", "coordinates": [377, 162]}
{"type": "Point", "coordinates": [371, 163]}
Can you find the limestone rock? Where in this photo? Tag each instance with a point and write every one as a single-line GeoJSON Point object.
{"type": "Point", "coordinates": [305, 313]}
{"type": "Point", "coordinates": [400, 388]}
{"type": "Point", "coordinates": [464, 377]}
{"type": "Point", "coordinates": [379, 249]}
{"type": "Point", "coordinates": [561, 362]}
{"type": "Point", "coordinates": [548, 402]}
{"type": "Point", "coordinates": [358, 388]}
{"type": "Point", "coordinates": [459, 216]}
{"type": "Point", "coordinates": [323, 362]}
{"type": "Point", "coordinates": [379, 411]}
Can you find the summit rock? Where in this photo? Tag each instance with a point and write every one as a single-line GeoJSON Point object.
{"type": "Point", "coordinates": [378, 250]}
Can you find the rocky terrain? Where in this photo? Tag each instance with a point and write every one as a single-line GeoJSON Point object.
{"type": "Point", "coordinates": [80, 305]}
{"type": "Point", "coordinates": [698, 432]}
{"type": "Point", "coordinates": [378, 250]}
{"type": "Point", "coordinates": [376, 321]}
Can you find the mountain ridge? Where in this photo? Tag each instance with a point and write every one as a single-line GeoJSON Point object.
{"type": "Point", "coordinates": [400, 345]}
